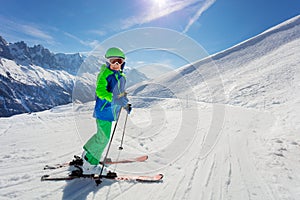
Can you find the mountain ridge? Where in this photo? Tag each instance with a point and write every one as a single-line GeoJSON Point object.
{"type": "Point", "coordinates": [22, 54]}
{"type": "Point", "coordinates": [35, 79]}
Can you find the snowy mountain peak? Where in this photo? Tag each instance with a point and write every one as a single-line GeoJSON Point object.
{"type": "Point", "coordinates": [3, 42]}
{"type": "Point", "coordinates": [4, 50]}
{"type": "Point", "coordinates": [22, 54]}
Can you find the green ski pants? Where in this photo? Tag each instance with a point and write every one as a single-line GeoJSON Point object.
{"type": "Point", "coordinates": [97, 143]}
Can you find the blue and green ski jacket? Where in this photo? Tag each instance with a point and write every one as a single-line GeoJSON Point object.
{"type": "Point", "coordinates": [110, 84]}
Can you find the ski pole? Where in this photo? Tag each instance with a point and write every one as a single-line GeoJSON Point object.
{"type": "Point", "coordinates": [108, 148]}
{"type": "Point", "coordinates": [121, 146]}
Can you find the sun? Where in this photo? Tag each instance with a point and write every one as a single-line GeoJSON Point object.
{"type": "Point", "coordinates": [160, 3]}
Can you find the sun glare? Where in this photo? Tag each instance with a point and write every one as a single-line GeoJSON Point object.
{"type": "Point", "coordinates": [160, 3]}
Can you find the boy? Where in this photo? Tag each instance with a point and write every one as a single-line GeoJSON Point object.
{"type": "Point", "coordinates": [110, 98]}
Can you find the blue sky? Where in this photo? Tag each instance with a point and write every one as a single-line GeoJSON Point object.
{"type": "Point", "coordinates": [80, 25]}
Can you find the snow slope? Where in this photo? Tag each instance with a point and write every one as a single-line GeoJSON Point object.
{"type": "Point", "coordinates": [227, 134]}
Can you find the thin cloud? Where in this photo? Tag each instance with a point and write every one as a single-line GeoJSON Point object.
{"type": "Point", "coordinates": [98, 32]}
{"type": "Point", "coordinates": [14, 29]}
{"type": "Point", "coordinates": [35, 32]}
{"type": "Point", "coordinates": [161, 10]}
{"type": "Point", "coordinates": [156, 12]}
{"type": "Point", "coordinates": [92, 44]}
{"type": "Point", "coordinates": [202, 9]}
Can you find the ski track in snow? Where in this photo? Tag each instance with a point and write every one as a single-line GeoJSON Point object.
{"type": "Point", "coordinates": [228, 172]}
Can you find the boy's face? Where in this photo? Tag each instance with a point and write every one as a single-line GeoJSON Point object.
{"type": "Point", "coordinates": [115, 67]}
{"type": "Point", "coordinates": [115, 63]}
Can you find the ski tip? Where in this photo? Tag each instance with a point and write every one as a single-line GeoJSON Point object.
{"type": "Point", "coordinates": [161, 176]}
{"type": "Point", "coordinates": [145, 157]}
{"type": "Point", "coordinates": [154, 179]}
{"type": "Point", "coordinates": [44, 177]}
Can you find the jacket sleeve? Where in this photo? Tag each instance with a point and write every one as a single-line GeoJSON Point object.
{"type": "Point", "coordinates": [101, 86]}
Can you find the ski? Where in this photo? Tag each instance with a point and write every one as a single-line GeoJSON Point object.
{"type": "Point", "coordinates": [130, 160]}
{"type": "Point", "coordinates": [110, 176]}
{"type": "Point", "coordinates": [78, 161]}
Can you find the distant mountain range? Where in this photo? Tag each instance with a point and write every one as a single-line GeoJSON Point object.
{"type": "Point", "coordinates": [35, 79]}
{"type": "Point", "coordinates": [40, 56]}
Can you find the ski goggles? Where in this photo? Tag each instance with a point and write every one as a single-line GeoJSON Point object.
{"type": "Point", "coordinates": [113, 61]}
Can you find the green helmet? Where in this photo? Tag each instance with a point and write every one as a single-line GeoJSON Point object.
{"type": "Point", "coordinates": [114, 52]}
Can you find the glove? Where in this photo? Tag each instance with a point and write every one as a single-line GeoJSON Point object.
{"type": "Point", "coordinates": [122, 94]}
{"type": "Point", "coordinates": [128, 108]}
{"type": "Point", "coordinates": [122, 101]}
